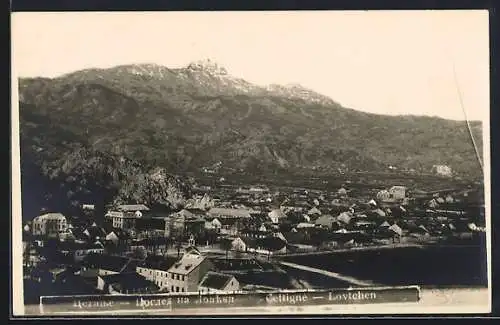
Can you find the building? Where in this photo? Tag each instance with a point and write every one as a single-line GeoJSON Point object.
{"type": "Point", "coordinates": [184, 223]}
{"type": "Point", "coordinates": [214, 282]}
{"type": "Point", "coordinates": [258, 189]}
{"type": "Point", "coordinates": [270, 245]}
{"type": "Point", "coordinates": [342, 192]}
{"type": "Point", "coordinates": [152, 222]}
{"type": "Point", "coordinates": [122, 220]}
{"type": "Point", "coordinates": [136, 209]}
{"type": "Point", "coordinates": [125, 283]}
{"type": "Point", "coordinates": [314, 211]}
{"type": "Point", "coordinates": [50, 224]}
{"type": "Point", "coordinates": [345, 218]}
{"type": "Point", "coordinates": [186, 273]}
{"type": "Point", "coordinates": [125, 216]}
{"type": "Point", "coordinates": [155, 269]}
{"type": "Point", "coordinates": [230, 227]}
{"type": "Point", "coordinates": [102, 264]}
{"type": "Point", "coordinates": [93, 233]}
{"type": "Point", "coordinates": [442, 170]}
{"type": "Point", "coordinates": [226, 213]}
{"type": "Point", "coordinates": [213, 224]}
{"type": "Point", "coordinates": [276, 215]}
{"type": "Point", "coordinates": [383, 195]}
{"type": "Point", "coordinates": [242, 243]}
{"type": "Point", "coordinates": [326, 221]}
{"type": "Point", "coordinates": [118, 237]}
{"type": "Point", "coordinates": [397, 192]}
{"type": "Point", "coordinates": [86, 249]}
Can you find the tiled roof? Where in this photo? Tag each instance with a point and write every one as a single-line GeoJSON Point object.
{"type": "Point", "coordinates": [133, 207]}
{"type": "Point", "coordinates": [214, 280]}
{"type": "Point", "coordinates": [110, 262]}
{"type": "Point", "coordinates": [187, 264]}
{"type": "Point", "coordinates": [237, 213]}
{"type": "Point", "coordinates": [130, 281]}
{"type": "Point", "coordinates": [162, 263]}
{"type": "Point", "coordinates": [51, 216]}
{"type": "Point", "coordinates": [271, 243]}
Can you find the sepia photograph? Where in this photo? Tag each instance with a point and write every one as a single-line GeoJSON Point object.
{"type": "Point", "coordinates": [250, 163]}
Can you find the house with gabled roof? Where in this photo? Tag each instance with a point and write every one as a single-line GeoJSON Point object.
{"type": "Point", "coordinates": [185, 274]}
{"type": "Point", "coordinates": [314, 211]}
{"type": "Point", "coordinates": [213, 224]}
{"type": "Point", "coordinates": [125, 283]}
{"type": "Point", "coordinates": [104, 264]}
{"type": "Point", "coordinates": [49, 224]}
{"type": "Point", "coordinates": [94, 232]}
{"type": "Point", "coordinates": [396, 229]}
{"type": "Point", "coordinates": [398, 192]}
{"type": "Point", "coordinates": [215, 282]}
{"type": "Point", "coordinates": [155, 269]}
{"type": "Point", "coordinates": [118, 237]}
{"type": "Point", "coordinates": [326, 221]}
{"type": "Point", "coordinates": [276, 215]}
{"type": "Point", "coordinates": [230, 213]}
{"type": "Point", "coordinates": [385, 224]}
{"type": "Point", "coordinates": [270, 245]}
{"type": "Point", "coordinates": [345, 218]}
{"type": "Point", "coordinates": [183, 223]}
{"type": "Point", "coordinates": [243, 243]}
{"type": "Point", "coordinates": [133, 208]}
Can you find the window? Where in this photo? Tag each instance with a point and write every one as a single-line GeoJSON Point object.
{"type": "Point", "coordinates": [182, 289]}
{"type": "Point", "coordinates": [178, 277]}
{"type": "Point", "coordinates": [172, 277]}
{"type": "Point", "coordinates": [176, 289]}
{"type": "Point", "coordinates": [172, 289]}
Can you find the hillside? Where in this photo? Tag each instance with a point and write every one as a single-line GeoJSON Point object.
{"type": "Point", "coordinates": [185, 119]}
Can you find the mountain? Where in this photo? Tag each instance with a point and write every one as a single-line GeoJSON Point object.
{"type": "Point", "coordinates": [187, 118]}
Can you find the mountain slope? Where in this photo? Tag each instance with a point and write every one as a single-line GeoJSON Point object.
{"type": "Point", "coordinates": [187, 118]}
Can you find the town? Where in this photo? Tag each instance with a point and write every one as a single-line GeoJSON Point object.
{"type": "Point", "coordinates": [235, 238]}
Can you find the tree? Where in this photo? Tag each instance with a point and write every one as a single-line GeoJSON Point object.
{"type": "Point", "coordinates": [226, 246]}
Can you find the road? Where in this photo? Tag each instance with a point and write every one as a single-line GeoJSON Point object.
{"type": "Point", "coordinates": [338, 276]}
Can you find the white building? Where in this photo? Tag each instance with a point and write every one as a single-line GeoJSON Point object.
{"type": "Point", "coordinates": [398, 192]}
{"type": "Point", "coordinates": [442, 170]}
{"type": "Point", "coordinates": [186, 274]}
{"type": "Point", "coordinates": [214, 282]}
{"type": "Point", "coordinates": [276, 215]}
{"type": "Point", "coordinates": [50, 224]}
{"type": "Point", "coordinates": [155, 269]}
{"type": "Point", "coordinates": [122, 220]}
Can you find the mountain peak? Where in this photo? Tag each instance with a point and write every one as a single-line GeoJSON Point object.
{"type": "Point", "coordinates": [209, 66]}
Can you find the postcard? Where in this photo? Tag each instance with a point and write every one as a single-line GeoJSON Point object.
{"type": "Point", "coordinates": [250, 163]}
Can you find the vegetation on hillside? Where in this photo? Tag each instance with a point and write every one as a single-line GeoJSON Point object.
{"type": "Point", "coordinates": [102, 134]}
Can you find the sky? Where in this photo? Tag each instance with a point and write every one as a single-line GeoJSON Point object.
{"type": "Point", "coordinates": [384, 62]}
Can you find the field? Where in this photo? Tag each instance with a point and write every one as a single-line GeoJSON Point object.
{"type": "Point", "coordinates": [433, 266]}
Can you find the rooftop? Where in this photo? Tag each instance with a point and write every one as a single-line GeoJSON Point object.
{"type": "Point", "coordinates": [132, 207]}
{"type": "Point", "coordinates": [110, 262]}
{"type": "Point", "coordinates": [187, 263]}
{"type": "Point", "coordinates": [51, 216]}
{"type": "Point", "coordinates": [162, 263]}
{"type": "Point", "coordinates": [124, 282]}
{"type": "Point", "coordinates": [236, 213]}
{"type": "Point", "coordinates": [214, 280]}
